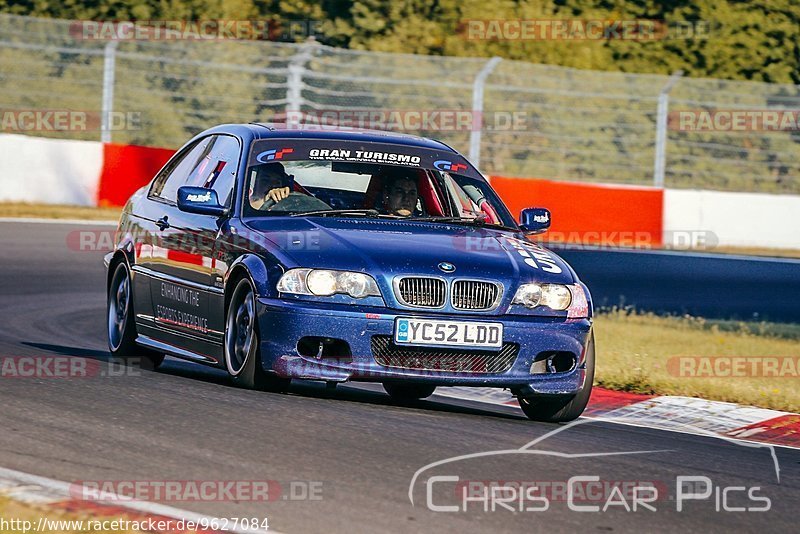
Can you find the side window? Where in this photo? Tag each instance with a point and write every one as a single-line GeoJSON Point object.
{"type": "Point", "coordinates": [218, 171]}
{"type": "Point", "coordinates": [167, 184]}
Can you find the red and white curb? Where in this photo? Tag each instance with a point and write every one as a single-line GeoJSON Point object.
{"type": "Point", "coordinates": [56, 495]}
{"type": "Point", "coordinates": [681, 414]}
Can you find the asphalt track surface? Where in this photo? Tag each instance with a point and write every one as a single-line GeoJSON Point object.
{"type": "Point", "coordinates": [185, 422]}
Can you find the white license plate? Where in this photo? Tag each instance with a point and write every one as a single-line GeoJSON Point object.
{"type": "Point", "coordinates": [410, 331]}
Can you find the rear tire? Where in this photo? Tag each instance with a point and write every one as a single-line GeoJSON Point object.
{"type": "Point", "coordinates": [243, 343]}
{"type": "Point", "coordinates": [408, 392]}
{"type": "Point", "coordinates": [121, 323]}
{"type": "Point", "coordinates": [563, 409]}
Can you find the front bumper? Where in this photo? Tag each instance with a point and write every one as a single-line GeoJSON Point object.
{"type": "Point", "coordinates": [283, 323]}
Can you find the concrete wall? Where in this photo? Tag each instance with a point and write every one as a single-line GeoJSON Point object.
{"type": "Point", "coordinates": [51, 171]}
{"type": "Point", "coordinates": [732, 219]}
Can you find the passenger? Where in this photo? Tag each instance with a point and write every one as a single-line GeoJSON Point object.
{"type": "Point", "coordinates": [400, 194]}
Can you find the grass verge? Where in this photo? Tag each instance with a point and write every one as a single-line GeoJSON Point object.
{"type": "Point", "coordinates": [15, 514]}
{"type": "Point", "coordinates": [58, 211]}
{"type": "Point", "coordinates": [640, 353]}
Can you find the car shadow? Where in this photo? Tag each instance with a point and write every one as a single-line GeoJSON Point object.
{"type": "Point", "coordinates": [77, 352]}
{"type": "Point", "coordinates": [356, 392]}
{"type": "Point", "coordinates": [367, 393]}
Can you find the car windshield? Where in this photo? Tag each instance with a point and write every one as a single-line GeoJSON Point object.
{"type": "Point", "coordinates": [350, 189]}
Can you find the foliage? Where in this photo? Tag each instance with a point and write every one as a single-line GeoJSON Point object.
{"type": "Point", "coordinates": [748, 40]}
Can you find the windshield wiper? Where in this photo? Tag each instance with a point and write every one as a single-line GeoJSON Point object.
{"type": "Point", "coordinates": [477, 221]}
{"type": "Point", "coordinates": [326, 213]}
{"type": "Point", "coordinates": [437, 218]}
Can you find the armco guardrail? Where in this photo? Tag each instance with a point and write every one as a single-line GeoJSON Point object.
{"type": "Point", "coordinates": [533, 120]}
{"type": "Point", "coordinates": [704, 285]}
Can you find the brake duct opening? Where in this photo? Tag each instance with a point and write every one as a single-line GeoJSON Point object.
{"type": "Point", "coordinates": [325, 348]}
{"type": "Point", "coordinates": [549, 362]}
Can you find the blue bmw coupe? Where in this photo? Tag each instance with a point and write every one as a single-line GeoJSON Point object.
{"type": "Point", "coordinates": [337, 255]}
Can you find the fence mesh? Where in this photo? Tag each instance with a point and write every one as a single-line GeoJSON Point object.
{"type": "Point", "coordinates": [537, 120]}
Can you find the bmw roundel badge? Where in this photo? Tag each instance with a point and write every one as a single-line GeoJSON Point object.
{"type": "Point", "coordinates": [447, 267]}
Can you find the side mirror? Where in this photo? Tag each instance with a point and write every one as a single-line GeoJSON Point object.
{"type": "Point", "coordinates": [200, 200]}
{"type": "Point", "coordinates": [534, 220]}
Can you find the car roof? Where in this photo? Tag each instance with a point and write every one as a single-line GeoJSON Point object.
{"type": "Point", "coordinates": [267, 130]}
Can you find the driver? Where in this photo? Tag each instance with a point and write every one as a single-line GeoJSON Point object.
{"type": "Point", "coordinates": [269, 182]}
{"type": "Point", "coordinates": [400, 193]}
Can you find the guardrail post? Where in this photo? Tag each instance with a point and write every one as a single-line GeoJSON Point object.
{"type": "Point", "coordinates": [659, 165]}
{"type": "Point", "coordinates": [109, 65]}
{"type": "Point", "coordinates": [477, 110]}
{"type": "Point", "coordinates": [294, 81]}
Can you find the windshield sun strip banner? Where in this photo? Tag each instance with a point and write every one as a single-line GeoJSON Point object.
{"type": "Point", "coordinates": [356, 151]}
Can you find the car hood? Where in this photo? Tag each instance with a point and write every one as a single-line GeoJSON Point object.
{"type": "Point", "coordinates": [391, 247]}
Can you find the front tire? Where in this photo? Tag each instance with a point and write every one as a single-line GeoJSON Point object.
{"type": "Point", "coordinates": [563, 409]}
{"type": "Point", "coordinates": [243, 343]}
{"type": "Point", "coordinates": [408, 392]}
{"type": "Point", "coordinates": [121, 323]}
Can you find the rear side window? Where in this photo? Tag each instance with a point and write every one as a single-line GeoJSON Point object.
{"type": "Point", "coordinates": [211, 163]}
{"type": "Point", "coordinates": [179, 172]}
{"type": "Point", "coordinates": [218, 170]}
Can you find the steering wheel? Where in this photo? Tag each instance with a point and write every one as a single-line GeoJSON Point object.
{"type": "Point", "coordinates": [296, 202]}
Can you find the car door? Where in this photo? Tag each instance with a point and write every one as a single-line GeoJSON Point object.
{"type": "Point", "coordinates": [226, 155]}
{"type": "Point", "coordinates": [182, 263]}
{"type": "Point", "coordinates": [150, 215]}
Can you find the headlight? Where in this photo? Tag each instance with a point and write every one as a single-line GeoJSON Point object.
{"type": "Point", "coordinates": [554, 296]}
{"type": "Point", "coordinates": [356, 285]}
{"type": "Point", "coordinates": [324, 283]}
{"type": "Point", "coordinates": [294, 281]}
{"type": "Point", "coordinates": [529, 295]}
